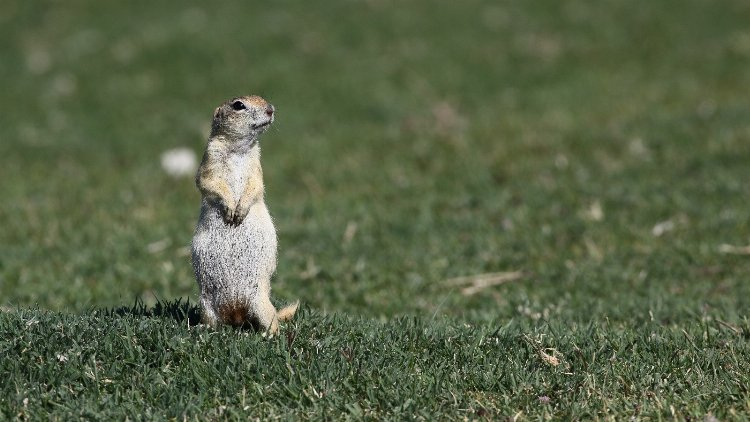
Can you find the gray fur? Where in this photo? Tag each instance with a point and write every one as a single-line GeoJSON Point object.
{"type": "Point", "coordinates": [234, 265]}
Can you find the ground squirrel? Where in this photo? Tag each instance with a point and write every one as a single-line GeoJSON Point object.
{"type": "Point", "coordinates": [234, 246]}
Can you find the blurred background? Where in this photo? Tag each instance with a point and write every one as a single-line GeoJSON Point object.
{"type": "Point", "coordinates": [598, 151]}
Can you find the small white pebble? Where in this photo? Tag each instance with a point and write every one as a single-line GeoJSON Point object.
{"type": "Point", "coordinates": [63, 85]}
{"type": "Point", "coordinates": [663, 227]}
{"type": "Point", "coordinates": [179, 162]}
{"type": "Point", "coordinates": [595, 211]}
{"type": "Point", "coordinates": [158, 246]}
{"type": "Point", "coordinates": [561, 161]}
{"type": "Point", "coordinates": [637, 147]}
{"type": "Point", "coordinates": [38, 61]}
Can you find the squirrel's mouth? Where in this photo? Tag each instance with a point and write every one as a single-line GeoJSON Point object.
{"type": "Point", "coordinates": [260, 125]}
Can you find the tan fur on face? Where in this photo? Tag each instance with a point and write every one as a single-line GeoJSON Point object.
{"type": "Point", "coordinates": [235, 124]}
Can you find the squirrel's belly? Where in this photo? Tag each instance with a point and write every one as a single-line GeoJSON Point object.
{"type": "Point", "coordinates": [233, 261]}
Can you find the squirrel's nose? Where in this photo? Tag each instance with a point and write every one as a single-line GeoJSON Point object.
{"type": "Point", "coordinates": [269, 110]}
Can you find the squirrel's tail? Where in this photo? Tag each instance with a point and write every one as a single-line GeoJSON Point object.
{"type": "Point", "coordinates": [286, 313]}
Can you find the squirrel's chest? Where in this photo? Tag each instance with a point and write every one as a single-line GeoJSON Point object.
{"type": "Point", "coordinates": [239, 171]}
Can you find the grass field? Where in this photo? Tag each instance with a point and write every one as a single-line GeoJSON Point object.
{"type": "Point", "coordinates": [595, 155]}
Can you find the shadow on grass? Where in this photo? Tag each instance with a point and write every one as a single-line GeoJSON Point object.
{"type": "Point", "coordinates": [177, 310]}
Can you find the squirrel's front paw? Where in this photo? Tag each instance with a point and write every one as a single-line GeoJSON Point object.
{"type": "Point", "coordinates": [239, 215]}
{"type": "Point", "coordinates": [228, 214]}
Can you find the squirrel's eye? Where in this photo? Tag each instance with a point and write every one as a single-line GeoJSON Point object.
{"type": "Point", "coordinates": [238, 105]}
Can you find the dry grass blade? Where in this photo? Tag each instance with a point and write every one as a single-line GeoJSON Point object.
{"type": "Point", "coordinates": [478, 282]}
{"type": "Point", "coordinates": [735, 250]}
{"type": "Point", "coordinates": [550, 359]}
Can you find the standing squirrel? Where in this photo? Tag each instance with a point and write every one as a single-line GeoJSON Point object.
{"type": "Point", "coordinates": [234, 246]}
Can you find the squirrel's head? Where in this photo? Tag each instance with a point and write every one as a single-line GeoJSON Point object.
{"type": "Point", "coordinates": [242, 118]}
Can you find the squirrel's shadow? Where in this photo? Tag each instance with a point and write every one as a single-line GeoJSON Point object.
{"type": "Point", "coordinates": [181, 312]}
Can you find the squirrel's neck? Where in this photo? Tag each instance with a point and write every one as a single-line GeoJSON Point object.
{"type": "Point", "coordinates": [245, 146]}
{"type": "Point", "coordinates": [241, 146]}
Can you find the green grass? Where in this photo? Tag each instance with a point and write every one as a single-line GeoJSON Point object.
{"type": "Point", "coordinates": [415, 142]}
{"type": "Point", "coordinates": [135, 362]}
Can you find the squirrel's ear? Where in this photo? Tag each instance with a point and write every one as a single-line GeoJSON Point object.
{"type": "Point", "coordinates": [216, 112]}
